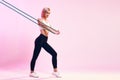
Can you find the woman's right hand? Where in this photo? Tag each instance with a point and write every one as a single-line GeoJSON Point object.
{"type": "Point", "coordinates": [39, 22]}
{"type": "Point", "coordinates": [57, 32]}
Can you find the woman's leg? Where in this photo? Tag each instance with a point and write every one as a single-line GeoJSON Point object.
{"type": "Point", "coordinates": [50, 50]}
{"type": "Point", "coordinates": [35, 55]}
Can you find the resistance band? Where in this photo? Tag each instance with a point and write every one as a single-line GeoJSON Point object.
{"type": "Point", "coordinates": [29, 17]}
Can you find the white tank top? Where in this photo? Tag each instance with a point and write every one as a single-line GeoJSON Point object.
{"type": "Point", "coordinates": [47, 23]}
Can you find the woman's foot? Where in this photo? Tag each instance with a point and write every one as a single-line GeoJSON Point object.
{"type": "Point", "coordinates": [56, 74]}
{"type": "Point", "coordinates": [33, 74]}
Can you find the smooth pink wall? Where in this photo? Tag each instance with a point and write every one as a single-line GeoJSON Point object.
{"type": "Point", "coordinates": [89, 39]}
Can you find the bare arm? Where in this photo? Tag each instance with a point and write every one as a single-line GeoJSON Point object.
{"type": "Point", "coordinates": [49, 28]}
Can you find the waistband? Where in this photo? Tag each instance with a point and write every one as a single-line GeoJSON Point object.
{"type": "Point", "coordinates": [43, 35]}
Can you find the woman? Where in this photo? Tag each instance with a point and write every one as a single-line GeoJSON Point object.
{"type": "Point", "coordinates": [41, 42]}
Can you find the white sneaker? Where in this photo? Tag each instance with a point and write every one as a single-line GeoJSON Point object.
{"type": "Point", "coordinates": [56, 74]}
{"type": "Point", "coordinates": [34, 75]}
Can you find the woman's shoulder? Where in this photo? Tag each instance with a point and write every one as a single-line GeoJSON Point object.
{"type": "Point", "coordinates": [42, 20]}
{"type": "Point", "coordinates": [39, 19]}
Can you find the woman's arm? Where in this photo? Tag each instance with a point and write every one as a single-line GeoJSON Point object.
{"type": "Point", "coordinates": [49, 28]}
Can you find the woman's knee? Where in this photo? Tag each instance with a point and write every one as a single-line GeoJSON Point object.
{"type": "Point", "coordinates": [55, 54]}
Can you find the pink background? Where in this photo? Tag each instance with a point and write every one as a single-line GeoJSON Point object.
{"type": "Point", "coordinates": [89, 39]}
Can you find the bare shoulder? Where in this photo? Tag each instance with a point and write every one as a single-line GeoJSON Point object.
{"type": "Point", "coordinates": [39, 19]}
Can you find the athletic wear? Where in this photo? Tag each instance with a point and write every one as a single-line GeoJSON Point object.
{"type": "Point", "coordinates": [56, 74]}
{"type": "Point", "coordinates": [41, 42]}
{"type": "Point", "coordinates": [34, 75]}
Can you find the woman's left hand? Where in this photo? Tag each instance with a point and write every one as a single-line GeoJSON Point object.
{"type": "Point", "coordinates": [58, 32]}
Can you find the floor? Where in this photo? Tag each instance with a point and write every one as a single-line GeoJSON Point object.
{"type": "Point", "coordinates": [24, 75]}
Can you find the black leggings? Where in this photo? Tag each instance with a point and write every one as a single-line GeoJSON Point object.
{"type": "Point", "coordinates": [40, 42]}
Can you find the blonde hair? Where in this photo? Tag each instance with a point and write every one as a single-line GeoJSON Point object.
{"type": "Point", "coordinates": [45, 10]}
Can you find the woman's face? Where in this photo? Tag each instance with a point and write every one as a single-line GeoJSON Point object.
{"type": "Point", "coordinates": [46, 14]}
